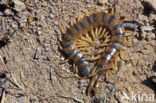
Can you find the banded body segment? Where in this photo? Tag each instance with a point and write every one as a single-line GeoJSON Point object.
{"type": "Point", "coordinates": [115, 26]}
{"type": "Point", "coordinates": [77, 57]}
{"type": "Point", "coordinates": [94, 20]}
{"type": "Point", "coordinates": [99, 18]}
{"type": "Point", "coordinates": [107, 20]}
{"type": "Point", "coordinates": [110, 53]}
{"type": "Point", "coordinates": [73, 33]}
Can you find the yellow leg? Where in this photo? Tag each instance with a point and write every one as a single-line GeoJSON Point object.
{"type": "Point", "coordinates": [122, 55]}
{"type": "Point", "coordinates": [87, 36]}
{"type": "Point", "coordinates": [64, 61]}
{"type": "Point", "coordinates": [81, 49]}
{"type": "Point", "coordinates": [100, 51]}
{"type": "Point", "coordinates": [75, 67]}
{"type": "Point", "coordinates": [72, 22]}
{"type": "Point", "coordinates": [99, 32]}
{"type": "Point", "coordinates": [116, 60]}
{"type": "Point", "coordinates": [96, 85]}
{"type": "Point", "coordinates": [93, 35]}
{"type": "Point", "coordinates": [96, 32]}
{"type": "Point", "coordinates": [80, 17]}
{"type": "Point", "coordinates": [106, 36]}
{"type": "Point", "coordinates": [82, 43]}
{"type": "Point", "coordinates": [91, 84]}
{"type": "Point", "coordinates": [94, 59]}
{"type": "Point", "coordinates": [60, 38]}
{"type": "Point", "coordinates": [86, 53]}
{"type": "Point", "coordinates": [103, 44]}
{"type": "Point", "coordinates": [103, 33]}
{"type": "Point", "coordinates": [60, 46]}
{"type": "Point", "coordinates": [85, 39]}
{"type": "Point", "coordinates": [113, 66]}
{"type": "Point", "coordinates": [127, 43]}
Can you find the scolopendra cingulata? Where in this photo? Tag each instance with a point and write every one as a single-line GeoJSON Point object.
{"type": "Point", "coordinates": [76, 41]}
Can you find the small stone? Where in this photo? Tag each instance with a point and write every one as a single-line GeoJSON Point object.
{"type": "Point", "coordinates": [62, 58]}
{"type": "Point", "coordinates": [19, 5]}
{"type": "Point", "coordinates": [51, 16]}
{"type": "Point", "coordinates": [83, 91]}
{"type": "Point", "coordinates": [151, 36]}
{"type": "Point", "coordinates": [14, 25]}
{"type": "Point", "coordinates": [143, 35]}
{"type": "Point", "coordinates": [8, 12]}
{"type": "Point", "coordinates": [145, 52]}
{"type": "Point", "coordinates": [39, 32]}
{"type": "Point", "coordinates": [135, 41]}
{"type": "Point", "coordinates": [147, 28]}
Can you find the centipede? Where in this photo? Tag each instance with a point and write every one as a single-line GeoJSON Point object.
{"type": "Point", "coordinates": [77, 40]}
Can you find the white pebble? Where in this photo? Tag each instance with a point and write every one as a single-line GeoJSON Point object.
{"type": "Point", "coordinates": [51, 16]}
{"type": "Point", "coordinates": [39, 32]}
{"type": "Point", "coordinates": [62, 58]}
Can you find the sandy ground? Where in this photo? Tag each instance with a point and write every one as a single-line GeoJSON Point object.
{"type": "Point", "coordinates": [30, 57]}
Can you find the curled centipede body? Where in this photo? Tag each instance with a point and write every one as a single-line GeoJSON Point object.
{"type": "Point", "coordinates": [108, 58]}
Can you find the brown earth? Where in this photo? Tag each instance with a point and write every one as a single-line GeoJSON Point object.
{"type": "Point", "coordinates": [29, 32]}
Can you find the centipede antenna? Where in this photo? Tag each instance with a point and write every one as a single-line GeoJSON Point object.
{"type": "Point", "coordinates": [129, 25]}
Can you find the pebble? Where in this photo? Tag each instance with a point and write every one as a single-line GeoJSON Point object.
{"type": "Point", "coordinates": [62, 58]}
{"type": "Point", "coordinates": [135, 40]}
{"type": "Point", "coordinates": [8, 12]}
{"type": "Point", "coordinates": [154, 79]}
{"type": "Point", "coordinates": [39, 32]}
{"type": "Point", "coordinates": [83, 91]}
{"type": "Point", "coordinates": [147, 28]}
{"type": "Point", "coordinates": [19, 5]}
{"type": "Point", "coordinates": [151, 36]}
{"type": "Point", "coordinates": [51, 16]}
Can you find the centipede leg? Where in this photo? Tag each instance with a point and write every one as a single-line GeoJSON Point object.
{"type": "Point", "coordinates": [64, 61]}
{"type": "Point", "coordinates": [60, 38]}
{"type": "Point", "coordinates": [80, 17]}
{"type": "Point", "coordinates": [89, 39]}
{"type": "Point", "coordinates": [123, 56]}
{"type": "Point", "coordinates": [75, 67]}
{"type": "Point", "coordinates": [71, 76]}
{"type": "Point", "coordinates": [86, 53]}
{"type": "Point", "coordinates": [91, 84]}
{"type": "Point", "coordinates": [103, 44]}
{"type": "Point", "coordinates": [59, 45]}
{"type": "Point", "coordinates": [109, 72]}
{"type": "Point", "coordinates": [96, 85]}
{"type": "Point", "coordinates": [100, 51]}
{"type": "Point", "coordinates": [81, 44]}
{"type": "Point", "coordinates": [94, 77]}
{"type": "Point", "coordinates": [113, 10]}
{"type": "Point", "coordinates": [95, 58]}
{"type": "Point", "coordinates": [127, 43]}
